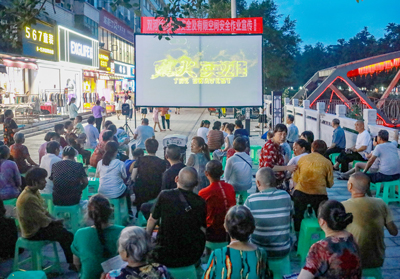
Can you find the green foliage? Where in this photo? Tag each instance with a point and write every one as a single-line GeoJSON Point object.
{"type": "Point", "coordinates": [355, 112]}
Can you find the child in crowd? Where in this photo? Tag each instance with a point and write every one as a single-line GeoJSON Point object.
{"type": "Point", "coordinates": [78, 125]}
{"type": "Point", "coordinates": [136, 154]}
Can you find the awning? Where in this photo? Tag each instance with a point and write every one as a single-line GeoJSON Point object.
{"type": "Point", "coordinates": [20, 64]}
{"type": "Point", "coordinates": [3, 69]}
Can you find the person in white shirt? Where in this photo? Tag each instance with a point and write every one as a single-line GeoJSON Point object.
{"type": "Point", "coordinates": [112, 173]}
{"type": "Point", "coordinates": [358, 152]}
{"type": "Point", "coordinates": [130, 103]}
{"type": "Point", "coordinates": [238, 167]}
{"type": "Point", "coordinates": [118, 107]}
{"type": "Point", "coordinates": [204, 129]}
{"type": "Point", "coordinates": [51, 157]}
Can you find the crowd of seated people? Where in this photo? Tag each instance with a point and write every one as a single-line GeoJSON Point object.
{"type": "Point", "coordinates": [193, 207]}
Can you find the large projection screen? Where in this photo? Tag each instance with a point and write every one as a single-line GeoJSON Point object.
{"type": "Point", "coordinates": [199, 71]}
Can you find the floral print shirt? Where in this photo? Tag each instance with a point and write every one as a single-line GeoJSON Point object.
{"type": "Point", "coordinates": [149, 271]}
{"type": "Point", "coordinates": [272, 155]}
{"type": "Point", "coordinates": [334, 258]}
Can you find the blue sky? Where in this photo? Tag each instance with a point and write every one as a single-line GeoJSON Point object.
{"type": "Point", "coordinates": [327, 21]}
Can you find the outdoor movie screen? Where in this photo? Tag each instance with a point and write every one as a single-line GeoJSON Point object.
{"type": "Point", "coordinates": [199, 71]}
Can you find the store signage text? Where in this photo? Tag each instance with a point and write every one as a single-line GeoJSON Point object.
{"type": "Point", "coordinates": [113, 24]}
{"type": "Point", "coordinates": [121, 69]}
{"type": "Point", "coordinates": [39, 41]}
{"type": "Point", "coordinates": [81, 50]}
{"type": "Point", "coordinates": [105, 61]}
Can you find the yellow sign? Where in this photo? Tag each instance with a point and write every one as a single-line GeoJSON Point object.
{"type": "Point", "coordinates": [40, 36]}
{"type": "Point", "coordinates": [184, 70]}
{"type": "Point", "coordinates": [105, 61]}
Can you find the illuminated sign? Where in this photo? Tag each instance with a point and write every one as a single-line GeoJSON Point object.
{"type": "Point", "coordinates": [251, 25]}
{"type": "Point", "coordinates": [77, 48]}
{"type": "Point", "coordinates": [183, 70]}
{"type": "Point", "coordinates": [105, 63]}
{"type": "Point", "coordinates": [39, 41]}
{"type": "Point", "coordinates": [121, 69]}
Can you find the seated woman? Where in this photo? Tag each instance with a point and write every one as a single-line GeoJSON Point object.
{"type": "Point", "coordinates": [21, 154]}
{"type": "Point", "coordinates": [308, 136]}
{"type": "Point", "coordinates": [10, 178]}
{"type": "Point", "coordinates": [42, 149]}
{"type": "Point", "coordinates": [8, 234]}
{"type": "Point", "coordinates": [96, 244]}
{"type": "Point", "coordinates": [112, 173]}
{"type": "Point", "coordinates": [240, 259]}
{"type": "Point", "coordinates": [100, 148]}
{"type": "Point", "coordinates": [336, 256]}
{"type": "Point", "coordinates": [134, 246]}
{"type": "Point", "coordinates": [35, 221]}
{"type": "Point", "coordinates": [69, 179]}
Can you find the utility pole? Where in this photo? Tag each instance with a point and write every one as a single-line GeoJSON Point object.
{"type": "Point", "coordinates": [233, 8]}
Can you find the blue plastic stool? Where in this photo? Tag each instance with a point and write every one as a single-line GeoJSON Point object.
{"type": "Point", "coordinates": [372, 273]}
{"type": "Point", "coordinates": [27, 275]}
{"type": "Point", "coordinates": [241, 197]}
{"type": "Point", "coordinates": [120, 214]}
{"type": "Point", "coordinates": [310, 232]}
{"type": "Point", "coordinates": [186, 272]}
{"type": "Point", "coordinates": [216, 245]}
{"type": "Point", "coordinates": [36, 255]}
{"type": "Point", "coordinates": [71, 215]}
{"type": "Point", "coordinates": [280, 267]}
{"type": "Point", "coordinates": [389, 191]}
{"type": "Point", "coordinates": [48, 199]}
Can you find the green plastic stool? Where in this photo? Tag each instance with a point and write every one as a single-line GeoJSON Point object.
{"type": "Point", "coordinates": [36, 255]}
{"type": "Point", "coordinates": [93, 186]}
{"type": "Point", "coordinates": [186, 272]}
{"type": "Point", "coordinates": [48, 200]}
{"type": "Point", "coordinates": [310, 232]}
{"type": "Point", "coordinates": [10, 202]}
{"type": "Point", "coordinates": [223, 163]}
{"type": "Point", "coordinates": [372, 273]}
{"type": "Point", "coordinates": [216, 245]}
{"type": "Point", "coordinates": [91, 171]}
{"type": "Point", "coordinates": [71, 215]}
{"type": "Point", "coordinates": [85, 194]}
{"type": "Point", "coordinates": [389, 191]}
{"type": "Point", "coordinates": [280, 267]}
{"type": "Point", "coordinates": [79, 158]}
{"type": "Point", "coordinates": [333, 157]}
{"type": "Point", "coordinates": [241, 197]}
{"type": "Point", "coordinates": [27, 275]}
{"type": "Point", "coordinates": [140, 220]}
{"type": "Point", "coordinates": [255, 156]}
{"type": "Point", "coordinates": [120, 214]}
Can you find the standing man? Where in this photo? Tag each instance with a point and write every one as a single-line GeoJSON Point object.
{"type": "Point", "coordinates": [272, 210]}
{"type": "Point", "coordinates": [142, 133]}
{"type": "Point", "coordinates": [293, 132]}
{"type": "Point", "coordinates": [164, 111]}
{"type": "Point", "coordinates": [92, 133]}
{"type": "Point", "coordinates": [389, 162]}
{"type": "Point", "coordinates": [370, 216]}
{"type": "Point", "coordinates": [97, 111]}
{"type": "Point", "coordinates": [181, 237]}
{"type": "Point", "coordinates": [338, 139]}
{"type": "Point", "coordinates": [358, 152]}
{"type": "Point", "coordinates": [130, 103]}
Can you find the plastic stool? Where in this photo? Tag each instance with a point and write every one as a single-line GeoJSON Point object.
{"type": "Point", "coordinates": [215, 245]}
{"type": "Point", "coordinates": [85, 194]}
{"type": "Point", "coordinates": [310, 232]}
{"type": "Point", "coordinates": [389, 191]}
{"type": "Point", "coordinates": [140, 220]}
{"type": "Point", "coordinates": [241, 197]}
{"type": "Point", "coordinates": [372, 273]}
{"type": "Point", "coordinates": [186, 272]}
{"type": "Point", "coordinates": [10, 202]}
{"type": "Point", "coordinates": [27, 275]}
{"type": "Point", "coordinates": [333, 157]}
{"type": "Point", "coordinates": [71, 215]}
{"type": "Point", "coordinates": [254, 149]}
{"type": "Point", "coordinates": [120, 214]}
{"type": "Point", "coordinates": [93, 186]}
{"type": "Point", "coordinates": [280, 267]}
{"type": "Point", "coordinates": [223, 163]}
{"type": "Point", "coordinates": [48, 199]}
{"type": "Point", "coordinates": [91, 170]}
{"type": "Point", "coordinates": [36, 255]}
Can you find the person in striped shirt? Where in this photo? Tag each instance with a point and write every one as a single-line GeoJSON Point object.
{"type": "Point", "coordinates": [272, 210]}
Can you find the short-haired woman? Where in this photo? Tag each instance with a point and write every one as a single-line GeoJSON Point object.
{"type": "Point", "coordinates": [20, 153]}
{"type": "Point", "coordinates": [240, 259]}
{"type": "Point", "coordinates": [73, 109]}
{"type": "Point", "coordinates": [336, 256]}
{"type": "Point", "coordinates": [97, 111]}
{"type": "Point", "coordinates": [10, 177]}
{"type": "Point", "coordinates": [134, 246]}
{"type": "Point", "coordinates": [96, 244]}
{"type": "Point", "coordinates": [10, 127]}
{"type": "Point", "coordinates": [198, 160]}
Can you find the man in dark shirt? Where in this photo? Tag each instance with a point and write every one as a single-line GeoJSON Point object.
{"type": "Point", "coordinates": [147, 173]}
{"type": "Point", "coordinates": [173, 155]}
{"type": "Point", "coordinates": [181, 237]}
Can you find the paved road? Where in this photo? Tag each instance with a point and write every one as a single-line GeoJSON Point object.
{"type": "Point", "coordinates": [187, 123]}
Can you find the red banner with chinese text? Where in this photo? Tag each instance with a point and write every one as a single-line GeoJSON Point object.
{"type": "Point", "coordinates": [250, 25]}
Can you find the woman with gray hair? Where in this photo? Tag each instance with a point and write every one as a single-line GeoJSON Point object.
{"type": "Point", "coordinates": [134, 246]}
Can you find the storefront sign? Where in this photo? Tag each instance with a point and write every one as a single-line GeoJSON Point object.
{"type": "Point", "coordinates": [78, 49]}
{"type": "Point", "coordinates": [105, 61]}
{"type": "Point", "coordinates": [251, 25]}
{"type": "Point", "coordinates": [39, 40]}
{"type": "Point", "coordinates": [121, 69]}
{"type": "Point", "coordinates": [113, 24]}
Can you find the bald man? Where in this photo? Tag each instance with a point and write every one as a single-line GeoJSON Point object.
{"type": "Point", "coordinates": [182, 214]}
{"type": "Point", "coordinates": [370, 216]}
{"type": "Point", "coordinates": [358, 152]}
{"type": "Point", "coordinates": [272, 210]}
